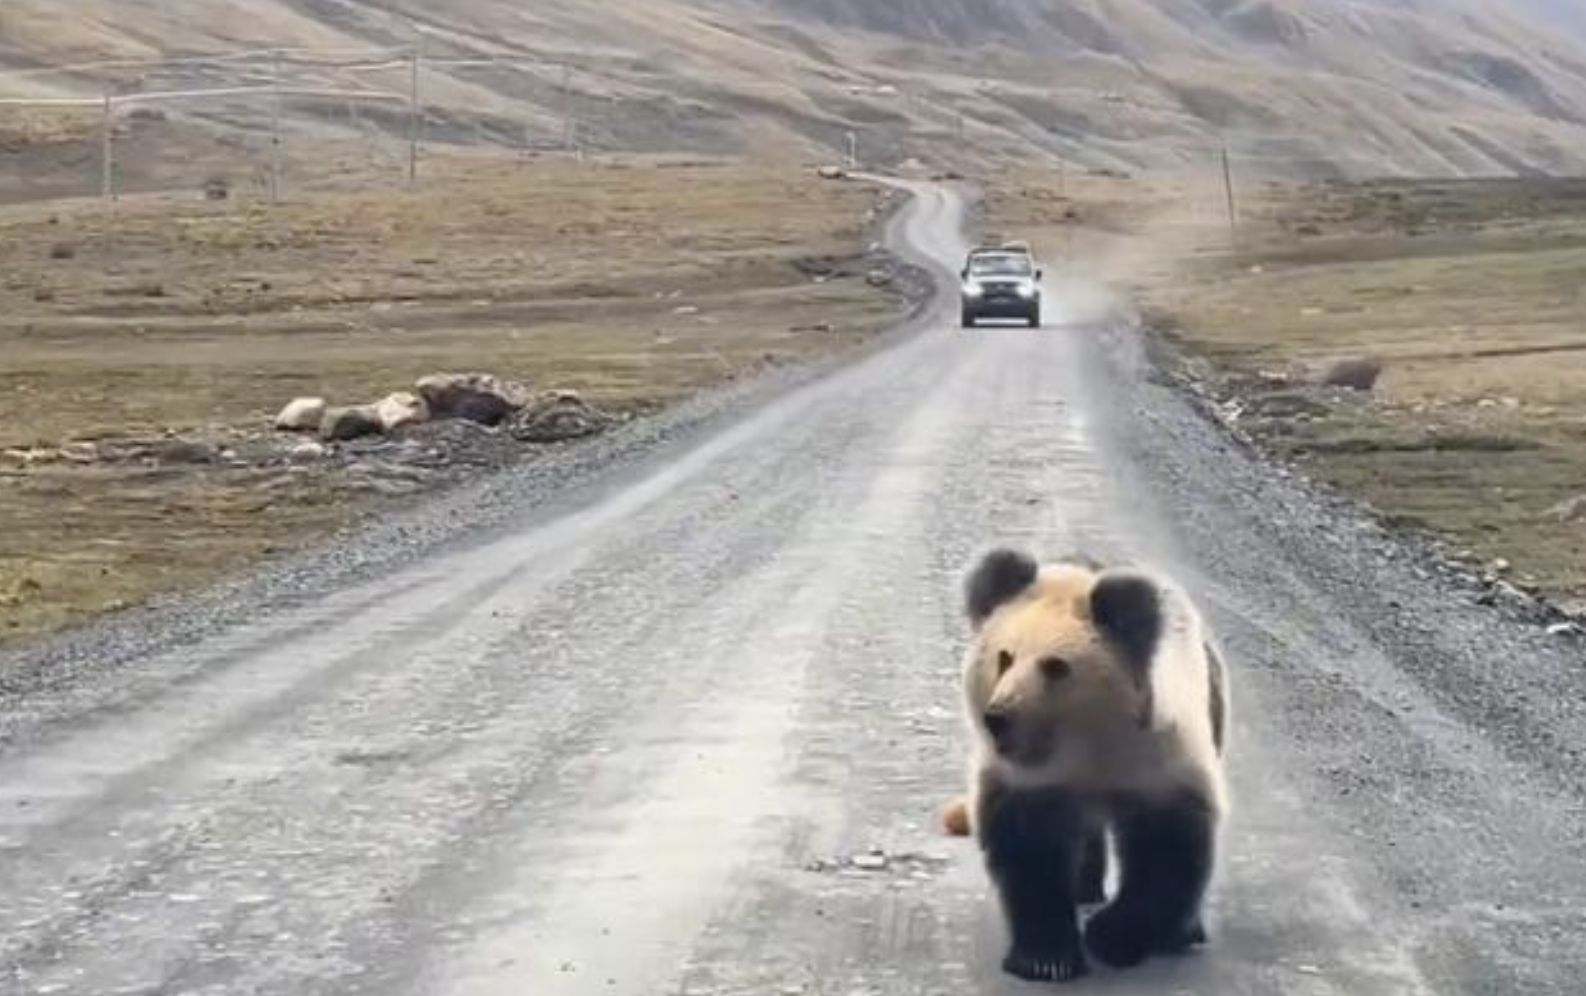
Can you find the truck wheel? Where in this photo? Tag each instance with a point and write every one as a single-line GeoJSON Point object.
{"type": "Point", "coordinates": [1035, 318]}
{"type": "Point", "coordinates": [967, 319]}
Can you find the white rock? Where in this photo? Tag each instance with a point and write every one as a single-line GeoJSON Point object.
{"type": "Point", "coordinates": [402, 408]}
{"type": "Point", "coordinates": [308, 451]}
{"type": "Point", "coordinates": [1569, 510]}
{"type": "Point", "coordinates": [302, 415]}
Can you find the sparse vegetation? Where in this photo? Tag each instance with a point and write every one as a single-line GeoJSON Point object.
{"type": "Point", "coordinates": [965, 83]}
{"type": "Point", "coordinates": [1470, 296]}
{"type": "Point", "coordinates": [634, 283]}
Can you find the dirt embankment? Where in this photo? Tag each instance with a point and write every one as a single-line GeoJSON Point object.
{"type": "Point", "coordinates": [1417, 344]}
{"type": "Point", "coordinates": [149, 350]}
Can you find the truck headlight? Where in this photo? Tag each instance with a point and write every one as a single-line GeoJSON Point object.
{"type": "Point", "coordinates": [972, 290]}
{"type": "Point", "coordinates": [1027, 289]}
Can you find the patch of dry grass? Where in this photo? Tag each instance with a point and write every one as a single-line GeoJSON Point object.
{"type": "Point", "coordinates": [1472, 296]}
{"type": "Point", "coordinates": [636, 283]}
{"type": "Point", "coordinates": [25, 127]}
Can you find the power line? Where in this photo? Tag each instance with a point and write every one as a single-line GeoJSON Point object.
{"type": "Point", "coordinates": [296, 55]}
{"type": "Point", "coordinates": [157, 96]}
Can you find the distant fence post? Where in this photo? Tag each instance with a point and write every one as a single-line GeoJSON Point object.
{"type": "Point", "coordinates": [275, 129]}
{"type": "Point", "coordinates": [568, 129]}
{"type": "Point", "coordinates": [415, 119]}
{"type": "Point", "coordinates": [107, 154]}
{"type": "Point", "coordinates": [1228, 186]}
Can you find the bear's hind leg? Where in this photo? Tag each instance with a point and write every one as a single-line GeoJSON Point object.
{"type": "Point", "coordinates": [1166, 851]}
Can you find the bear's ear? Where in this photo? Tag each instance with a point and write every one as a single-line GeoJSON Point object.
{"type": "Point", "coordinates": [1127, 609]}
{"type": "Point", "coordinates": [1001, 577]}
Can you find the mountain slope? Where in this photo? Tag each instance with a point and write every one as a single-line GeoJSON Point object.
{"type": "Point", "coordinates": [1293, 86]}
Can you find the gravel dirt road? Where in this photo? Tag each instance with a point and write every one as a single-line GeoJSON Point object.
{"type": "Point", "coordinates": [681, 721]}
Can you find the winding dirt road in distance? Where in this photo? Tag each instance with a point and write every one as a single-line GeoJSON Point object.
{"type": "Point", "coordinates": [685, 727]}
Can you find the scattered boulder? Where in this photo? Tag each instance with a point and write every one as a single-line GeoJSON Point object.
{"type": "Point", "coordinates": [558, 416]}
{"type": "Point", "coordinates": [401, 409]}
{"type": "Point", "coordinates": [832, 173]}
{"type": "Point", "coordinates": [1290, 404]}
{"type": "Point", "coordinates": [63, 251]}
{"type": "Point", "coordinates": [1569, 510]}
{"type": "Point", "coordinates": [1356, 374]}
{"type": "Point", "coordinates": [184, 451]}
{"type": "Point", "coordinates": [28, 456]}
{"type": "Point", "coordinates": [341, 424]}
{"type": "Point", "coordinates": [302, 415]}
{"type": "Point", "coordinates": [878, 278]}
{"type": "Point", "coordinates": [80, 453]}
{"type": "Point", "coordinates": [476, 397]}
{"type": "Point", "coordinates": [307, 452]}
{"type": "Point", "coordinates": [217, 188]}
{"type": "Point", "coordinates": [483, 409]}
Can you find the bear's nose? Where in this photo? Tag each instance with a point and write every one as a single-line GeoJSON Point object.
{"type": "Point", "coordinates": [998, 724]}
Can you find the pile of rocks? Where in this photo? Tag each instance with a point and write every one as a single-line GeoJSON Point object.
{"type": "Point", "coordinates": [478, 398]}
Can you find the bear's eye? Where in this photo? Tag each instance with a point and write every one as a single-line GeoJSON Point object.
{"type": "Point", "coordinates": [1004, 662]}
{"type": "Point", "coordinates": [1056, 668]}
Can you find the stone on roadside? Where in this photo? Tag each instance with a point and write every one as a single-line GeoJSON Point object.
{"type": "Point", "coordinates": [302, 415]}
{"type": "Point", "coordinates": [558, 416]}
{"type": "Point", "coordinates": [477, 397]}
{"type": "Point", "coordinates": [341, 424]}
{"type": "Point", "coordinates": [1357, 374]}
{"type": "Point", "coordinates": [307, 452]}
{"type": "Point", "coordinates": [184, 451]}
{"type": "Point", "coordinates": [1569, 510]}
{"type": "Point", "coordinates": [401, 409]}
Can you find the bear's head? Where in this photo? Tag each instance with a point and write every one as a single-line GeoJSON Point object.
{"type": "Point", "coordinates": [1062, 653]}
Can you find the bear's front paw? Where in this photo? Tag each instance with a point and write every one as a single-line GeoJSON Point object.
{"type": "Point", "coordinates": [1184, 939]}
{"type": "Point", "coordinates": [1121, 936]}
{"type": "Point", "coordinates": [1045, 965]}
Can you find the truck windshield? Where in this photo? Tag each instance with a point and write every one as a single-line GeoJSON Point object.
{"type": "Point", "coordinates": [1000, 266]}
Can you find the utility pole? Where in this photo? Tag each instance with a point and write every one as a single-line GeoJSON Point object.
{"type": "Point", "coordinates": [568, 128]}
{"type": "Point", "coordinates": [1228, 186]}
{"type": "Point", "coordinates": [415, 119]}
{"type": "Point", "coordinates": [275, 129]}
{"type": "Point", "coordinates": [108, 154]}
